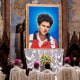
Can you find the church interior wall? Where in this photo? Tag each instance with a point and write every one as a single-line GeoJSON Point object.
{"type": "Point", "coordinates": [70, 22]}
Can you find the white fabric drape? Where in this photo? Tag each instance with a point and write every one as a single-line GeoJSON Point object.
{"type": "Point", "coordinates": [33, 55]}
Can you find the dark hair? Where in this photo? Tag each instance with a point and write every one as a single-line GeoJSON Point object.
{"type": "Point", "coordinates": [37, 66]}
{"type": "Point", "coordinates": [47, 66]}
{"type": "Point", "coordinates": [44, 17]}
{"type": "Point", "coordinates": [67, 61]}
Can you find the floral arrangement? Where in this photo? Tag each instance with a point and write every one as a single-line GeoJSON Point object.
{"type": "Point", "coordinates": [45, 58]}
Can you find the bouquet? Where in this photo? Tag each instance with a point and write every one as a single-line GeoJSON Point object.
{"type": "Point", "coordinates": [45, 58]}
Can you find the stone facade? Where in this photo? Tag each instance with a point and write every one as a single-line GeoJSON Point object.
{"type": "Point", "coordinates": [1, 26]}
{"type": "Point", "coordinates": [7, 17]}
{"type": "Point", "coordinates": [5, 26]}
{"type": "Point", "coordinates": [64, 25]}
{"type": "Point", "coordinates": [74, 17]}
{"type": "Point", "coordinates": [19, 19]}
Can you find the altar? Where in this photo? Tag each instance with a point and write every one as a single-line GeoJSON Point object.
{"type": "Point", "coordinates": [33, 55]}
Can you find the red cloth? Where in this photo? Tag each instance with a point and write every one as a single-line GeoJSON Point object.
{"type": "Point", "coordinates": [45, 45]}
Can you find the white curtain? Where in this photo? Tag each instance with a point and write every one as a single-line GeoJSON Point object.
{"type": "Point", "coordinates": [33, 55]}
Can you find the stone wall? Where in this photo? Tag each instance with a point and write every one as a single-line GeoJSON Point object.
{"type": "Point", "coordinates": [74, 17]}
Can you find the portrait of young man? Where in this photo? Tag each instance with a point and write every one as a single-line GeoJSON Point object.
{"type": "Point", "coordinates": [43, 27]}
{"type": "Point", "coordinates": [41, 38]}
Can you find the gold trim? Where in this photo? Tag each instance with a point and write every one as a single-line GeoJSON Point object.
{"type": "Point", "coordinates": [60, 21]}
{"type": "Point", "coordinates": [60, 27]}
{"type": "Point", "coordinates": [27, 27]}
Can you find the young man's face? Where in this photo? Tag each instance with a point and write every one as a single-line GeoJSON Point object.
{"type": "Point", "coordinates": [44, 27]}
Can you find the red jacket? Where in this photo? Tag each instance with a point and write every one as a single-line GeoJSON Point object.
{"type": "Point", "coordinates": [49, 44]}
{"type": "Point", "coordinates": [45, 45]}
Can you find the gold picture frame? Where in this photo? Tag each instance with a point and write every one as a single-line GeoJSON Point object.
{"type": "Point", "coordinates": [56, 9]}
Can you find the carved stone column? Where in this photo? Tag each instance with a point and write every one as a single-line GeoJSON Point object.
{"type": "Point", "coordinates": [64, 25]}
{"type": "Point", "coordinates": [20, 30]}
{"type": "Point", "coordinates": [5, 25]}
{"type": "Point", "coordinates": [1, 26]}
{"type": "Point", "coordinates": [1, 21]}
{"type": "Point", "coordinates": [6, 14]}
